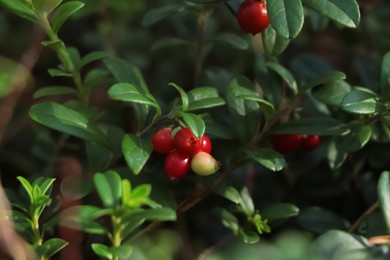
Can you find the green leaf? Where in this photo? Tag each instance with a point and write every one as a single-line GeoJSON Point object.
{"type": "Point", "coordinates": [132, 223]}
{"type": "Point", "coordinates": [270, 159]}
{"type": "Point", "coordinates": [312, 126]}
{"type": "Point", "coordinates": [356, 139]}
{"type": "Point", "coordinates": [63, 12]}
{"type": "Point", "coordinates": [155, 15]}
{"type": "Point", "coordinates": [57, 72]}
{"type": "Point", "coordinates": [337, 244]}
{"type": "Point", "coordinates": [279, 212]}
{"type": "Point", "coordinates": [229, 193]}
{"type": "Point", "coordinates": [274, 44]}
{"type": "Point", "coordinates": [286, 17]}
{"type": "Point", "coordinates": [102, 250]}
{"type": "Point", "coordinates": [330, 77]}
{"type": "Point", "coordinates": [115, 182]}
{"type": "Point", "coordinates": [384, 197]}
{"type": "Point", "coordinates": [136, 152]}
{"type": "Point", "coordinates": [246, 202]}
{"type": "Point", "coordinates": [385, 77]}
{"type": "Point", "coordinates": [104, 189]}
{"type": "Point", "coordinates": [51, 247]}
{"type": "Point", "coordinates": [248, 237]}
{"type": "Point", "coordinates": [93, 56]}
{"type": "Point", "coordinates": [123, 251]}
{"type": "Point", "coordinates": [345, 12]}
{"type": "Point", "coordinates": [319, 220]}
{"type": "Point", "coordinates": [141, 191]}
{"type": "Point", "coordinates": [230, 221]}
{"type": "Point", "coordinates": [46, 185]}
{"type": "Point", "coordinates": [158, 214]}
{"type": "Point", "coordinates": [183, 95]}
{"type": "Point", "coordinates": [336, 157]}
{"type": "Point", "coordinates": [20, 8]}
{"type": "Point", "coordinates": [126, 191]}
{"type": "Point", "coordinates": [129, 93]}
{"type": "Point", "coordinates": [332, 93]}
{"type": "Point", "coordinates": [54, 90]}
{"type": "Point", "coordinates": [233, 40]}
{"type": "Point", "coordinates": [194, 122]}
{"type": "Point", "coordinates": [285, 74]}
{"type": "Point", "coordinates": [67, 120]}
{"type": "Point", "coordinates": [27, 186]}
{"type": "Point", "coordinates": [362, 102]}
{"type": "Point", "coordinates": [44, 6]}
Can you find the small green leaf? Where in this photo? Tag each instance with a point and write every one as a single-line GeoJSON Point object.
{"type": "Point", "coordinates": [129, 93]}
{"type": "Point", "coordinates": [274, 44]}
{"type": "Point", "coordinates": [229, 193]}
{"type": "Point", "coordinates": [270, 159]}
{"type": "Point", "coordinates": [123, 251]}
{"type": "Point", "coordinates": [54, 90]}
{"type": "Point", "coordinates": [141, 191]}
{"type": "Point", "coordinates": [230, 221]}
{"type": "Point", "coordinates": [132, 223]}
{"type": "Point", "coordinates": [356, 139]}
{"type": "Point", "coordinates": [336, 157]}
{"type": "Point", "coordinates": [312, 126]}
{"type": "Point", "coordinates": [47, 185]}
{"type": "Point", "coordinates": [385, 77]}
{"type": "Point", "coordinates": [233, 40]}
{"type": "Point", "coordinates": [102, 250]}
{"type": "Point", "coordinates": [45, 7]}
{"type": "Point", "coordinates": [104, 189]}
{"type": "Point", "coordinates": [345, 12]}
{"type": "Point", "coordinates": [126, 191]}
{"type": "Point", "coordinates": [67, 120]}
{"type": "Point", "coordinates": [63, 12]}
{"type": "Point", "coordinates": [330, 77]}
{"type": "Point", "coordinates": [331, 93]}
{"type": "Point", "coordinates": [59, 73]}
{"type": "Point", "coordinates": [115, 182]}
{"type": "Point", "coordinates": [248, 237]}
{"type": "Point", "coordinates": [384, 197]}
{"type": "Point", "coordinates": [27, 186]}
{"type": "Point", "coordinates": [93, 56]}
{"type": "Point", "coordinates": [204, 97]}
{"type": "Point", "coordinates": [20, 8]}
{"type": "Point", "coordinates": [51, 247]}
{"type": "Point", "coordinates": [183, 95]}
{"type": "Point", "coordinates": [194, 122]}
{"type": "Point", "coordinates": [362, 102]}
{"type": "Point", "coordinates": [285, 74]}
{"type": "Point", "coordinates": [246, 202]}
{"type": "Point", "coordinates": [136, 152]}
{"type": "Point", "coordinates": [286, 17]}
{"type": "Point", "coordinates": [158, 214]}
{"type": "Point", "coordinates": [155, 15]}
{"type": "Point", "coordinates": [280, 211]}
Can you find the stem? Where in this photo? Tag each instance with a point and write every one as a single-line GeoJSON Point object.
{"type": "Point", "coordinates": [59, 47]}
{"type": "Point", "coordinates": [371, 209]}
{"type": "Point", "coordinates": [117, 228]}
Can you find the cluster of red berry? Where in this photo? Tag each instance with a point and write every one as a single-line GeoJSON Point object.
{"type": "Point", "coordinates": [252, 16]}
{"type": "Point", "coordinates": [287, 143]}
{"type": "Point", "coordinates": [184, 151]}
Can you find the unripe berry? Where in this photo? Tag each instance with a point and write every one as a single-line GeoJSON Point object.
{"type": "Point", "coordinates": [186, 142]}
{"type": "Point", "coordinates": [176, 165]}
{"type": "Point", "coordinates": [204, 164]}
{"type": "Point", "coordinates": [162, 141]}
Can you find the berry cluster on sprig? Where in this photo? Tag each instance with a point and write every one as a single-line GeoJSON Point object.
{"type": "Point", "coordinates": [184, 150]}
{"type": "Point", "coordinates": [287, 143]}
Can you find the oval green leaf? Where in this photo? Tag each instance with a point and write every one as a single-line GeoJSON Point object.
{"type": "Point", "coordinates": [270, 159]}
{"type": "Point", "coordinates": [332, 93]}
{"type": "Point", "coordinates": [384, 197]}
{"type": "Point", "coordinates": [63, 12]}
{"type": "Point", "coordinates": [385, 77]}
{"type": "Point", "coordinates": [362, 102]}
{"type": "Point", "coordinates": [194, 122]}
{"type": "Point", "coordinates": [129, 93]}
{"type": "Point", "coordinates": [311, 126]}
{"type": "Point", "coordinates": [274, 44]}
{"type": "Point", "coordinates": [136, 152]}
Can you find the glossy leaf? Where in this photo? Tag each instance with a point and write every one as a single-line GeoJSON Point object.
{"type": "Point", "coordinates": [183, 95]}
{"type": "Point", "coordinates": [335, 156]}
{"type": "Point", "coordinates": [27, 186]}
{"type": "Point", "coordinates": [67, 120]}
{"type": "Point", "coordinates": [274, 44]}
{"type": "Point", "coordinates": [104, 189]}
{"type": "Point", "coordinates": [53, 91]}
{"type": "Point", "coordinates": [229, 193]}
{"type": "Point", "coordinates": [246, 202]}
{"type": "Point", "coordinates": [57, 72]}
{"type": "Point", "coordinates": [345, 12]}
{"type": "Point", "coordinates": [45, 7]}
{"type": "Point", "coordinates": [129, 93]}
{"type": "Point", "coordinates": [230, 221]}
{"type": "Point", "coordinates": [136, 152]}
{"type": "Point", "coordinates": [270, 159]}
{"type": "Point", "coordinates": [248, 237]}
{"type": "Point", "coordinates": [311, 126]}
{"type": "Point", "coordinates": [123, 251]}
{"type": "Point", "coordinates": [155, 15]}
{"type": "Point", "coordinates": [384, 197]}
{"type": "Point", "coordinates": [91, 57]}
{"type": "Point", "coordinates": [63, 12]}
{"type": "Point", "coordinates": [332, 93]}
{"type": "Point", "coordinates": [334, 76]}
{"type": "Point", "coordinates": [362, 102]}
{"type": "Point", "coordinates": [158, 214]}
{"type": "Point", "coordinates": [195, 123]}
{"type": "Point", "coordinates": [286, 17]}
{"type": "Point", "coordinates": [319, 220]}
{"type": "Point", "coordinates": [102, 250]}
{"type": "Point", "coordinates": [51, 247]}
{"type": "Point", "coordinates": [269, 82]}
{"type": "Point", "coordinates": [385, 77]}
{"type": "Point", "coordinates": [20, 8]}
{"type": "Point", "coordinates": [279, 211]}
{"type": "Point", "coordinates": [285, 74]}
{"type": "Point", "coordinates": [356, 139]}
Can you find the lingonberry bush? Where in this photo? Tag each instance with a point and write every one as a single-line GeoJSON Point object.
{"type": "Point", "coordinates": [205, 129]}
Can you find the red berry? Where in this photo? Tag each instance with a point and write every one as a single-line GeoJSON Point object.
{"type": "Point", "coordinates": [252, 16]}
{"type": "Point", "coordinates": [176, 165]}
{"type": "Point", "coordinates": [205, 144]}
{"type": "Point", "coordinates": [162, 141]}
{"type": "Point", "coordinates": [186, 142]}
{"type": "Point", "coordinates": [286, 143]}
{"type": "Point", "coordinates": [310, 142]}
{"type": "Point", "coordinates": [204, 164]}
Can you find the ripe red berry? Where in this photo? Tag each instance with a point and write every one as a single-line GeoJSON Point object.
{"type": "Point", "coordinates": [252, 16]}
{"type": "Point", "coordinates": [186, 142]}
{"type": "Point", "coordinates": [176, 165]}
{"type": "Point", "coordinates": [310, 142]}
{"type": "Point", "coordinates": [162, 141]}
{"type": "Point", "coordinates": [286, 143]}
{"type": "Point", "coordinates": [205, 144]}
